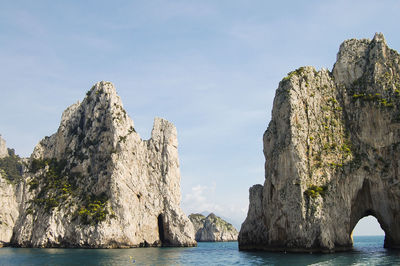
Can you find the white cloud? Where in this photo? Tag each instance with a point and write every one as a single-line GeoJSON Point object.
{"type": "Point", "coordinates": [201, 198]}
{"type": "Point", "coordinates": [197, 199]}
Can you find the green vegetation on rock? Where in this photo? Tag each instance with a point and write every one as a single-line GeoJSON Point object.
{"type": "Point", "coordinates": [296, 72]}
{"type": "Point", "coordinates": [376, 98]}
{"type": "Point", "coordinates": [54, 184]}
{"type": "Point", "coordinates": [314, 191]}
{"type": "Point", "coordinates": [11, 167]}
{"type": "Point", "coordinates": [94, 210]}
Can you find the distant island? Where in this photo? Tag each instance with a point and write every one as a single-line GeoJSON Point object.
{"type": "Point", "coordinates": [332, 152]}
{"type": "Point", "coordinates": [212, 228]}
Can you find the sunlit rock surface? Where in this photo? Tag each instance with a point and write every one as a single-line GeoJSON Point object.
{"type": "Point", "coordinates": [212, 228]}
{"type": "Point", "coordinates": [332, 152]}
{"type": "Point", "coordinates": [11, 169]}
{"type": "Point", "coordinates": [95, 183]}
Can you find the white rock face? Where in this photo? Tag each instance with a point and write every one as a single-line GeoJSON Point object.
{"type": "Point", "coordinates": [331, 151]}
{"type": "Point", "coordinates": [95, 183]}
{"type": "Point", "coordinates": [212, 228]}
{"type": "Point", "coordinates": [9, 193]}
{"type": "Point", "coordinates": [3, 148]}
{"type": "Point", "coordinates": [9, 209]}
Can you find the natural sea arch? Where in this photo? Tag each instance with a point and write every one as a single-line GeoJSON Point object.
{"type": "Point", "coordinates": [369, 203]}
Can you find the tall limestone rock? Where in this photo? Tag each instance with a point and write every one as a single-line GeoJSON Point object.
{"type": "Point", "coordinates": [212, 228]}
{"type": "Point", "coordinates": [332, 153]}
{"type": "Point", "coordinates": [10, 190]}
{"type": "Point", "coordinates": [95, 183]}
{"type": "Point", "coordinates": [9, 210]}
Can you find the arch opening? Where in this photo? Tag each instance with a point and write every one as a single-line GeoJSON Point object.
{"type": "Point", "coordinates": [367, 203]}
{"type": "Point", "coordinates": [368, 232]}
{"type": "Point", "coordinates": [368, 226]}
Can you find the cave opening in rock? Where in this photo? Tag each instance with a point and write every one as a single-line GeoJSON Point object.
{"type": "Point", "coordinates": [161, 229]}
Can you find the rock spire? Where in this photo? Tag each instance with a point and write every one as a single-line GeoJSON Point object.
{"type": "Point", "coordinates": [95, 183]}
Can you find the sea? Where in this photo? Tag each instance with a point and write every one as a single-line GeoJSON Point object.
{"type": "Point", "coordinates": [368, 250]}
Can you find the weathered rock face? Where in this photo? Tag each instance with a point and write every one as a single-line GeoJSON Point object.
{"type": "Point", "coordinates": [3, 148]}
{"type": "Point", "coordinates": [9, 209]}
{"type": "Point", "coordinates": [332, 154]}
{"type": "Point", "coordinates": [197, 220]}
{"type": "Point", "coordinates": [212, 228]}
{"type": "Point", "coordinates": [96, 183]}
{"type": "Point", "coordinates": [10, 167]}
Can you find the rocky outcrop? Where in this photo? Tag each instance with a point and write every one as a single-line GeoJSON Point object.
{"type": "Point", "coordinates": [9, 209]}
{"type": "Point", "coordinates": [212, 228]}
{"type": "Point", "coordinates": [197, 220]}
{"type": "Point", "coordinates": [10, 175]}
{"type": "Point", "coordinates": [332, 152]}
{"type": "Point", "coordinates": [3, 148]}
{"type": "Point", "coordinates": [95, 183]}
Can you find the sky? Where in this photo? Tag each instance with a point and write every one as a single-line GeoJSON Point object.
{"type": "Point", "coordinates": [210, 67]}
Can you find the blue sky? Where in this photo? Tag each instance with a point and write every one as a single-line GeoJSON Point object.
{"type": "Point", "coordinates": [210, 67]}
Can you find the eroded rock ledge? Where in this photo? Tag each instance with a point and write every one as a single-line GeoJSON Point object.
{"type": "Point", "coordinates": [212, 228]}
{"type": "Point", "coordinates": [332, 152]}
{"type": "Point", "coordinates": [95, 183]}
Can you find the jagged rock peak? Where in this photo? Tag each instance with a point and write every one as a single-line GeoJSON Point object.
{"type": "Point", "coordinates": [362, 57]}
{"type": "Point", "coordinates": [98, 117]}
{"type": "Point", "coordinates": [378, 37]}
{"type": "Point", "coordinates": [331, 152]}
{"type": "Point", "coordinates": [212, 228]}
{"type": "Point", "coordinates": [102, 94]}
{"type": "Point", "coordinates": [96, 183]}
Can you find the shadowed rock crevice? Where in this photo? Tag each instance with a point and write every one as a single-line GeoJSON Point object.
{"type": "Point", "coordinates": [331, 150]}
{"type": "Point", "coordinates": [161, 229]}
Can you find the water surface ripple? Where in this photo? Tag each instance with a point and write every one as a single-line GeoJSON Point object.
{"type": "Point", "coordinates": [368, 250]}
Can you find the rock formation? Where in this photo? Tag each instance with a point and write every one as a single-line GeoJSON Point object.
{"type": "Point", "coordinates": [95, 183]}
{"type": "Point", "coordinates": [3, 148]}
{"type": "Point", "coordinates": [212, 228]}
{"type": "Point", "coordinates": [332, 152]}
{"type": "Point", "coordinates": [10, 174]}
{"type": "Point", "coordinates": [9, 209]}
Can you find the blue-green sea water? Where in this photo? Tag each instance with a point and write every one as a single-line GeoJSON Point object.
{"type": "Point", "coordinates": [368, 250]}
